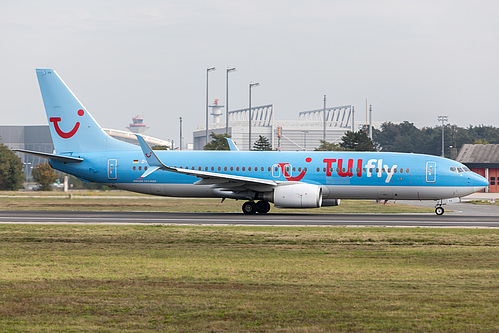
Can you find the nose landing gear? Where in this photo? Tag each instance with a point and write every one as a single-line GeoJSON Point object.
{"type": "Point", "coordinates": [439, 210]}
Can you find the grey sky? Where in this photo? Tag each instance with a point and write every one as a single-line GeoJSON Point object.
{"type": "Point", "coordinates": [412, 60]}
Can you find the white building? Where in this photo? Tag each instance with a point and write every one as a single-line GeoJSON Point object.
{"type": "Point", "coordinates": [302, 134]}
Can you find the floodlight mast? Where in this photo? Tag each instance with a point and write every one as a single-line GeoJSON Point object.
{"type": "Point", "coordinates": [229, 70]}
{"type": "Point", "coordinates": [208, 70]}
{"type": "Point", "coordinates": [443, 119]}
{"type": "Point", "coordinates": [251, 85]}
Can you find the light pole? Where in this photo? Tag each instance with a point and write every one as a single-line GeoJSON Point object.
{"type": "Point", "coordinates": [229, 70]}
{"type": "Point", "coordinates": [251, 85]}
{"type": "Point", "coordinates": [180, 133]}
{"type": "Point", "coordinates": [208, 70]}
{"type": "Point", "coordinates": [443, 119]}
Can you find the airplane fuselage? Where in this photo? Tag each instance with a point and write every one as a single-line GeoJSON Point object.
{"type": "Point", "coordinates": [342, 175]}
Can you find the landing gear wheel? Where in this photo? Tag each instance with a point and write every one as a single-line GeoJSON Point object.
{"type": "Point", "coordinates": [439, 210]}
{"type": "Point", "coordinates": [249, 207]}
{"type": "Point", "coordinates": [262, 207]}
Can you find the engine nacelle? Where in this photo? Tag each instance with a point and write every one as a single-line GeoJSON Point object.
{"type": "Point", "coordinates": [298, 196]}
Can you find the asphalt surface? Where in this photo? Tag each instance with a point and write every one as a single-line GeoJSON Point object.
{"type": "Point", "coordinates": [145, 218]}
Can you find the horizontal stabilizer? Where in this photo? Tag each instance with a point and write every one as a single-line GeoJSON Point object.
{"type": "Point", "coordinates": [61, 158]}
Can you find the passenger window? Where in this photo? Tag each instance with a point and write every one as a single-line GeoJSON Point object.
{"type": "Point", "coordinates": [395, 170]}
{"type": "Point", "coordinates": [134, 168]}
{"type": "Point", "coordinates": [140, 168]}
{"type": "Point", "coordinates": [323, 169]}
{"type": "Point", "coordinates": [231, 168]}
{"type": "Point", "coordinates": [294, 169]}
{"type": "Point", "coordinates": [145, 168]}
{"type": "Point", "coordinates": [205, 168]}
{"type": "Point", "coordinates": [268, 169]}
{"type": "Point", "coordinates": [299, 169]}
{"type": "Point", "coordinates": [305, 169]}
{"type": "Point", "coordinates": [318, 169]}
{"type": "Point", "coordinates": [406, 170]}
{"type": "Point", "coordinates": [276, 169]}
{"type": "Point", "coordinates": [237, 168]}
{"type": "Point", "coordinates": [212, 168]}
{"type": "Point", "coordinates": [401, 170]}
{"type": "Point", "coordinates": [244, 168]}
{"type": "Point", "coordinates": [249, 168]}
{"type": "Point", "coordinates": [219, 169]}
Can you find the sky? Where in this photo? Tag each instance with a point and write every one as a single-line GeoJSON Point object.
{"type": "Point", "coordinates": [411, 60]}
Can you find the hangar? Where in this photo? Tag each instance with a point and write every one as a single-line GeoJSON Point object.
{"type": "Point", "coordinates": [484, 160]}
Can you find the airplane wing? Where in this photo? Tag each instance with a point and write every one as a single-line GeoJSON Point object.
{"type": "Point", "coordinates": [62, 158]}
{"type": "Point", "coordinates": [207, 178]}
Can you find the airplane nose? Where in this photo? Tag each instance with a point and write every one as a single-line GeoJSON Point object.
{"type": "Point", "coordinates": [479, 181]}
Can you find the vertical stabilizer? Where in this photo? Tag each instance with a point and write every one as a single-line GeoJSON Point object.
{"type": "Point", "coordinates": [72, 127]}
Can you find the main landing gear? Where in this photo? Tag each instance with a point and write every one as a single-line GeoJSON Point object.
{"type": "Point", "coordinates": [250, 207]}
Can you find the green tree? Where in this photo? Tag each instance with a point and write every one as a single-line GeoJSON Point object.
{"type": "Point", "coordinates": [328, 146]}
{"type": "Point", "coordinates": [44, 175]}
{"type": "Point", "coordinates": [218, 142]}
{"type": "Point", "coordinates": [11, 170]}
{"type": "Point", "coordinates": [160, 148]}
{"type": "Point", "coordinates": [358, 141]}
{"type": "Point", "coordinates": [262, 143]}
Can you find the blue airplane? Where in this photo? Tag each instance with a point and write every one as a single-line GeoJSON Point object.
{"type": "Point", "coordinates": [301, 179]}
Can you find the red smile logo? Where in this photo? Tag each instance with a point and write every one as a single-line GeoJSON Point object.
{"type": "Point", "coordinates": [149, 155]}
{"type": "Point", "coordinates": [285, 167]}
{"type": "Point", "coordinates": [66, 135]}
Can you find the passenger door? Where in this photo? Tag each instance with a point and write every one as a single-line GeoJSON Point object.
{"type": "Point", "coordinates": [112, 169]}
{"type": "Point", "coordinates": [431, 172]}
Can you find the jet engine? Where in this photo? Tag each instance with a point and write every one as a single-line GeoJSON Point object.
{"type": "Point", "coordinates": [298, 196]}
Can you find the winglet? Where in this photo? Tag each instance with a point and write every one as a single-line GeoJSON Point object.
{"type": "Point", "coordinates": [151, 157]}
{"type": "Point", "coordinates": [232, 145]}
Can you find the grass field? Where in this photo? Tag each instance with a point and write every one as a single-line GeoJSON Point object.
{"type": "Point", "coordinates": [127, 201]}
{"type": "Point", "coordinates": [247, 279]}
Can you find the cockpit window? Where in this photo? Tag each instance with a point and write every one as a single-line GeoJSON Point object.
{"type": "Point", "coordinates": [459, 169]}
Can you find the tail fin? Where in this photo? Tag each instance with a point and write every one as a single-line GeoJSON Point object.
{"type": "Point", "coordinates": [72, 127]}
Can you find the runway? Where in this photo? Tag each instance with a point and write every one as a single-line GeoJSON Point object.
{"type": "Point", "coordinates": [147, 218]}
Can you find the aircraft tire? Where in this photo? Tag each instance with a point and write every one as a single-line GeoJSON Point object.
{"type": "Point", "coordinates": [249, 207]}
{"type": "Point", "coordinates": [262, 207]}
{"type": "Point", "coordinates": [439, 210]}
